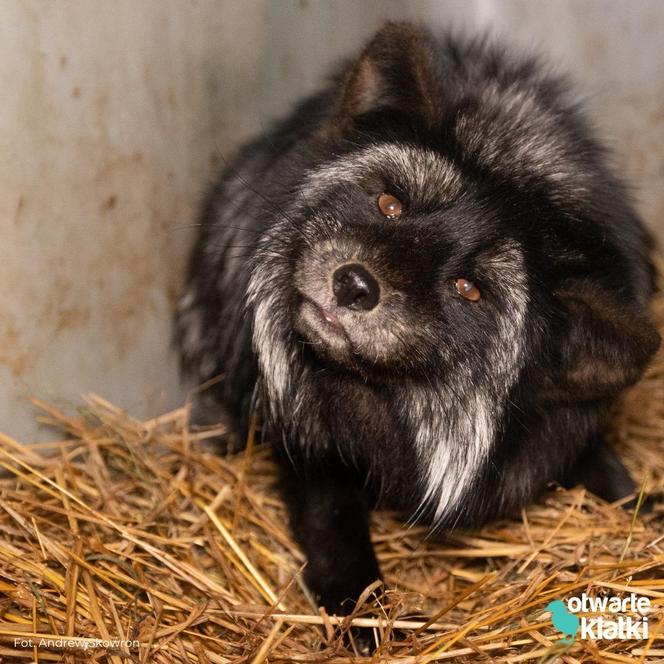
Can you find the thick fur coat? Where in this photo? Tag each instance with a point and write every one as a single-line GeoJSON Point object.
{"type": "Point", "coordinates": [453, 410]}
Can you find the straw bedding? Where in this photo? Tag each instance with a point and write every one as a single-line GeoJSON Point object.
{"type": "Point", "coordinates": [130, 541]}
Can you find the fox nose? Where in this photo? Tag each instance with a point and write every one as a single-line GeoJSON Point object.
{"type": "Point", "coordinates": [355, 287]}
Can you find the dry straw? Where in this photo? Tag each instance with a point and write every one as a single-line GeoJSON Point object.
{"type": "Point", "coordinates": [130, 541]}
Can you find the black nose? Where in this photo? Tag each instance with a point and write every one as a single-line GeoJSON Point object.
{"type": "Point", "coordinates": [355, 288]}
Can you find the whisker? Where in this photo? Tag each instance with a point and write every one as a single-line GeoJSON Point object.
{"type": "Point", "coordinates": [265, 199]}
{"type": "Point", "coordinates": [215, 224]}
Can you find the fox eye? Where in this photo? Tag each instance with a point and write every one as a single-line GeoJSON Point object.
{"type": "Point", "coordinates": [389, 206]}
{"type": "Point", "coordinates": [467, 289]}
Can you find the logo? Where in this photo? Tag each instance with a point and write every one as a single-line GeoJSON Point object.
{"type": "Point", "coordinates": [563, 620]}
{"type": "Point", "coordinates": [628, 617]}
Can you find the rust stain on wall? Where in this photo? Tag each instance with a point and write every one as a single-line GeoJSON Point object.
{"type": "Point", "coordinates": [11, 353]}
{"type": "Point", "coordinates": [109, 203]}
{"type": "Point", "coordinates": [20, 204]}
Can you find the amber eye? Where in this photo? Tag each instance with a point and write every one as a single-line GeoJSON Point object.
{"type": "Point", "coordinates": [467, 289]}
{"type": "Point", "coordinates": [389, 206]}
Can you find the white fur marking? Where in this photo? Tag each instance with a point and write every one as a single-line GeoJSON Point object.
{"type": "Point", "coordinates": [461, 432]}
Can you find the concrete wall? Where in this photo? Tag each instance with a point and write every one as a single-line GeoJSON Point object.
{"type": "Point", "coordinates": [115, 114]}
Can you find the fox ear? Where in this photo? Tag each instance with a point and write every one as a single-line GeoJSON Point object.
{"type": "Point", "coordinates": [397, 71]}
{"type": "Point", "coordinates": [606, 345]}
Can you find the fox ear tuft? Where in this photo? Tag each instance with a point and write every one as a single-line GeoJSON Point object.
{"type": "Point", "coordinates": [396, 71]}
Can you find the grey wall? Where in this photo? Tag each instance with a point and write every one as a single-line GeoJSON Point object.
{"type": "Point", "coordinates": [111, 119]}
{"type": "Point", "coordinates": [115, 114]}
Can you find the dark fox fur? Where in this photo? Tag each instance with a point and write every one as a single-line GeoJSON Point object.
{"type": "Point", "coordinates": [452, 410]}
